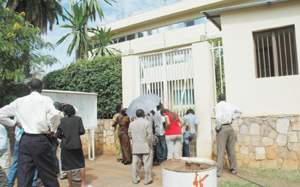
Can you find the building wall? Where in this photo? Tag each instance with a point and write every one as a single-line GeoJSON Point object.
{"type": "Point", "coordinates": [258, 96]}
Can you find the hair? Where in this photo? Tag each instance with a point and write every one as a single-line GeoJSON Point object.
{"type": "Point", "coordinates": [69, 110]}
{"type": "Point", "coordinates": [190, 111]}
{"type": "Point", "coordinates": [118, 108]}
{"type": "Point", "coordinates": [58, 106]}
{"type": "Point", "coordinates": [222, 97]}
{"type": "Point", "coordinates": [152, 112]}
{"type": "Point", "coordinates": [174, 115]}
{"type": "Point", "coordinates": [124, 112]}
{"type": "Point", "coordinates": [36, 84]}
{"type": "Point", "coordinates": [158, 107]}
{"type": "Point", "coordinates": [140, 113]}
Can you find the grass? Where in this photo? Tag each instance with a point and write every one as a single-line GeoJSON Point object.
{"type": "Point", "coordinates": [235, 184]}
{"type": "Point", "coordinates": [292, 176]}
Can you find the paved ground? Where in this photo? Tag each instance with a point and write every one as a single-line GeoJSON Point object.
{"type": "Point", "coordinates": [105, 171]}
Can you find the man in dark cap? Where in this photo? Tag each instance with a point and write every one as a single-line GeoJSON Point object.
{"type": "Point", "coordinates": [225, 114]}
{"type": "Point", "coordinates": [35, 149]}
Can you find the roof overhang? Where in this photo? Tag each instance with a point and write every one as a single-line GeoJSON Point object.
{"type": "Point", "coordinates": [214, 14]}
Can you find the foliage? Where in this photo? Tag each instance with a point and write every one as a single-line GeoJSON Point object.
{"type": "Point", "coordinates": [105, 38]}
{"type": "Point", "coordinates": [20, 45]}
{"type": "Point", "coordinates": [221, 88]}
{"type": "Point", "coordinates": [102, 75]}
{"type": "Point", "coordinates": [93, 7]}
{"type": "Point", "coordinates": [10, 91]}
{"type": "Point", "coordinates": [38, 13]}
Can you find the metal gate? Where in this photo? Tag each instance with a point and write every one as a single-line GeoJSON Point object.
{"type": "Point", "coordinates": [169, 75]}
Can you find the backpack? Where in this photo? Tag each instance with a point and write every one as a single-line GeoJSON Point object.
{"type": "Point", "coordinates": [3, 140]}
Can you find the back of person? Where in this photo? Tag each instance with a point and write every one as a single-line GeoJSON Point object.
{"type": "Point", "coordinates": [174, 126]}
{"type": "Point", "coordinates": [72, 129]}
{"type": "Point", "coordinates": [158, 124]}
{"type": "Point", "coordinates": [192, 120]}
{"type": "Point", "coordinates": [138, 131]}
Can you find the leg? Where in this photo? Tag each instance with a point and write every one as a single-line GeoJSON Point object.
{"type": "Point", "coordinates": [54, 145]}
{"type": "Point", "coordinates": [25, 162]}
{"type": "Point", "coordinates": [117, 143]}
{"type": "Point", "coordinates": [41, 153]}
{"type": "Point", "coordinates": [14, 167]}
{"type": "Point", "coordinates": [82, 175]}
{"type": "Point", "coordinates": [3, 177]}
{"type": "Point", "coordinates": [147, 160]}
{"type": "Point", "coordinates": [186, 144]}
{"type": "Point", "coordinates": [34, 183]}
{"type": "Point", "coordinates": [170, 146]}
{"type": "Point", "coordinates": [164, 147]}
{"type": "Point", "coordinates": [159, 151]}
{"type": "Point", "coordinates": [221, 139]}
{"type": "Point", "coordinates": [136, 166]}
{"type": "Point", "coordinates": [230, 147]}
{"type": "Point", "coordinates": [177, 146]}
{"type": "Point", "coordinates": [63, 175]}
{"type": "Point", "coordinates": [69, 175]}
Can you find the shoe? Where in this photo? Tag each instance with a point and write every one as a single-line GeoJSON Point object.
{"type": "Point", "coordinates": [127, 163]}
{"type": "Point", "coordinates": [76, 179]}
{"type": "Point", "coordinates": [149, 182]}
{"type": "Point", "coordinates": [233, 171]}
{"type": "Point", "coordinates": [136, 182]}
{"type": "Point", "coordinates": [62, 177]}
{"type": "Point", "coordinates": [118, 160]}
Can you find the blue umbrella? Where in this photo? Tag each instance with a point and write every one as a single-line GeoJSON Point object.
{"type": "Point", "coordinates": [145, 102]}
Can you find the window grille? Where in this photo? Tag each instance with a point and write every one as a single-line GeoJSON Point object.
{"type": "Point", "coordinates": [276, 53]}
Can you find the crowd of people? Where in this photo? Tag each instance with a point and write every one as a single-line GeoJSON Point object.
{"type": "Point", "coordinates": [156, 137]}
{"type": "Point", "coordinates": [42, 126]}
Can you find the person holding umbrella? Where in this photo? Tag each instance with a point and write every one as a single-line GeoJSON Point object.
{"type": "Point", "coordinates": [173, 134]}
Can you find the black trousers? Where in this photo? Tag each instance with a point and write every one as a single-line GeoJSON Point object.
{"type": "Point", "coordinates": [35, 152]}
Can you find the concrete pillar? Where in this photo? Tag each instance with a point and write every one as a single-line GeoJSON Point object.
{"type": "Point", "coordinates": [204, 96]}
{"type": "Point", "coordinates": [129, 82]}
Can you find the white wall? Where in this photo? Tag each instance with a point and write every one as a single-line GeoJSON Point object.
{"type": "Point", "coordinates": [258, 96]}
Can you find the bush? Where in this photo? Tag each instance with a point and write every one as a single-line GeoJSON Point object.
{"type": "Point", "coordinates": [102, 75]}
{"type": "Point", "coordinates": [10, 91]}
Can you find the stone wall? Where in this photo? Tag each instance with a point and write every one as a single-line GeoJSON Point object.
{"type": "Point", "coordinates": [265, 142]}
{"type": "Point", "coordinates": [104, 138]}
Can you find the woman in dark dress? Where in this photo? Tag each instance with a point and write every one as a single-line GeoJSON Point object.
{"type": "Point", "coordinates": [69, 131]}
{"type": "Point", "coordinates": [124, 121]}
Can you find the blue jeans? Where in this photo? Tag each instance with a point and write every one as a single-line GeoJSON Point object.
{"type": "Point", "coordinates": [161, 149]}
{"type": "Point", "coordinates": [54, 145]}
{"type": "Point", "coordinates": [14, 168]}
{"type": "Point", "coordinates": [187, 137]}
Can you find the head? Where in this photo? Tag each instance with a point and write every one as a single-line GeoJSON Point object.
{"type": "Point", "coordinates": [68, 110]}
{"type": "Point", "coordinates": [174, 115]}
{"type": "Point", "coordinates": [222, 97]}
{"type": "Point", "coordinates": [119, 108]}
{"type": "Point", "coordinates": [190, 111]}
{"type": "Point", "coordinates": [124, 112]}
{"type": "Point", "coordinates": [159, 107]}
{"type": "Point", "coordinates": [58, 106]}
{"type": "Point", "coordinates": [140, 113]}
{"type": "Point", "coordinates": [36, 85]}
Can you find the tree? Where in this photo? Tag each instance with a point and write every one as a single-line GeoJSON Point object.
{"type": "Point", "coordinates": [81, 41]}
{"type": "Point", "coordinates": [105, 38]}
{"type": "Point", "coordinates": [38, 13]}
{"type": "Point", "coordinates": [20, 45]}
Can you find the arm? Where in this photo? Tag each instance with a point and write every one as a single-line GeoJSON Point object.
{"type": "Point", "coordinates": [81, 127]}
{"type": "Point", "coordinates": [6, 112]}
{"type": "Point", "coordinates": [181, 121]}
{"type": "Point", "coordinates": [129, 132]}
{"type": "Point", "coordinates": [59, 132]}
{"type": "Point", "coordinates": [236, 112]}
{"type": "Point", "coordinates": [218, 117]}
{"type": "Point", "coordinates": [149, 134]}
{"type": "Point", "coordinates": [54, 115]}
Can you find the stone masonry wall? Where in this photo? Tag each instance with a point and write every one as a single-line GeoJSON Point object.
{"type": "Point", "coordinates": [265, 142]}
{"type": "Point", "coordinates": [104, 138]}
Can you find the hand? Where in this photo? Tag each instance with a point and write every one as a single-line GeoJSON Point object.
{"type": "Point", "coordinates": [48, 133]}
{"type": "Point", "coordinates": [18, 125]}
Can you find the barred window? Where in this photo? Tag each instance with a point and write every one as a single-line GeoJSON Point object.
{"type": "Point", "coordinates": [276, 53]}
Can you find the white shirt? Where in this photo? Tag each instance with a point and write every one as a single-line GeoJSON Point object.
{"type": "Point", "coordinates": [225, 113]}
{"type": "Point", "coordinates": [31, 111]}
{"type": "Point", "coordinates": [192, 120]}
{"type": "Point", "coordinates": [158, 124]}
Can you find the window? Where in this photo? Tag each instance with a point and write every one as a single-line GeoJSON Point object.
{"type": "Point", "coordinates": [122, 39]}
{"type": "Point", "coordinates": [189, 23]}
{"type": "Point", "coordinates": [188, 97]}
{"type": "Point", "coordinates": [276, 53]}
{"type": "Point", "coordinates": [130, 37]}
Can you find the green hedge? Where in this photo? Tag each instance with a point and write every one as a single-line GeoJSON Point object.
{"type": "Point", "coordinates": [10, 91]}
{"type": "Point", "coordinates": [101, 75]}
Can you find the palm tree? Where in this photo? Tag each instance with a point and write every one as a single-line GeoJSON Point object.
{"type": "Point", "coordinates": [105, 38]}
{"type": "Point", "coordinates": [37, 12]}
{"type": "Point", "coordinates": [81, 41]}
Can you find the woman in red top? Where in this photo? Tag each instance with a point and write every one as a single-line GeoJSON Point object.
{"type": "Point", "coordinates": [173, 133]}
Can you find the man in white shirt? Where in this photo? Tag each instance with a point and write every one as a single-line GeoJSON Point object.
{"type": "Point", "coordinates": [225, 114]}
{"type": "Point", "coordinates": [35, 149]}
{"type": "Point", "coordinates": [161, 147]}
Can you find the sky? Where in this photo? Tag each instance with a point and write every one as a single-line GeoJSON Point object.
{"type": "Point", "coordinates": [119, 9]}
